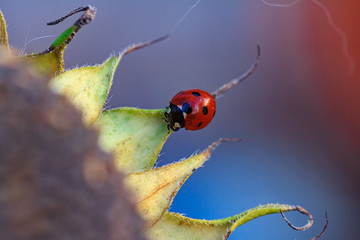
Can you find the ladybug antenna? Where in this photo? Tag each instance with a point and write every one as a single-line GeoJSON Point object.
{"type": "Point", "coordinates": [226, 87]}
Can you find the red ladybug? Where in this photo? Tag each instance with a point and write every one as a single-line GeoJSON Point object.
{"type": "Point", "coordinates": [193, 109]}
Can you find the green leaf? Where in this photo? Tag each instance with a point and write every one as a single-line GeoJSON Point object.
{"type": "Point", "coordinates": [177, 227]}
{"type": "Point", "coordinates": [3, 32]}
{"type": "Point", "coordinates": [87, 87]}
{"type": "Point", "coordinates": [134, 136]}
{"type": "Point", "coordinates": [156, 188]}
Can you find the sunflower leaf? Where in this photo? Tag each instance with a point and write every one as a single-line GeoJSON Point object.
{"type": "Point", "coordinates": [3, 33]}
{"type": "Point", "coordinates": [178, 227]}
{"type": "Point", "coordinates": [87, 87]}
{"type": "Point", "coordinates": [156, 188]}
{"type": "Point", "coordinates": [50, 64]}
{"type": "Point", "coordinates": [134, 136]}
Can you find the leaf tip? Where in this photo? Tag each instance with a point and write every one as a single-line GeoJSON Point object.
{"type": "Point", "coordinates": [212, 146]}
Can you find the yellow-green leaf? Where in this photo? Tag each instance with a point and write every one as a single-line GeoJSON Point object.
{"type": "Point", "coordinates": [50, 64]}
{"type": "Point", "coordinates": [174, 226]}
{"type": "Point", "coordinates": [87, 87]}
{"type": "Point", "coordinates": [3, 32]}
{"type": "Point", "coordinates": [156, 188]}
{"type": "Point", "coordinates": [134, 136]}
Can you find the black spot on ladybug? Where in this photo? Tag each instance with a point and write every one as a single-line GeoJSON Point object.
{"type": "Point", "coordinates": [199, 124]}
{"type": "Point", "coordinates": [186, 108]}
{"type": "Point", "coordinates": [196, 94]}
{"type": "Point", "coordinates": [205, 110]}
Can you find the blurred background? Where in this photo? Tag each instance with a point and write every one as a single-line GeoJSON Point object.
{"type": "Point", "coordinates": [298, 114]}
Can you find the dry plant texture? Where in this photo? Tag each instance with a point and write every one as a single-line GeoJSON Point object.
{"type": "Point", "coordinates": [55, 182]}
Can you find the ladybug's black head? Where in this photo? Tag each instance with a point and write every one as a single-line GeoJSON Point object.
{"type": "Point", "coordinates": [174, 117]}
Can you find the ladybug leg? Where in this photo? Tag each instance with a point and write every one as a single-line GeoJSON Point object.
{"type": "Point", "coordinates": [167, 122]}
{"type": "Point", "coordinates": [172, 128]}
{"type": "Point", "coordinates": [169, 126]}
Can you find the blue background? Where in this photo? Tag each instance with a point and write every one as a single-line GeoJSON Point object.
{"type": "Point", "coordinates": [293, 150]}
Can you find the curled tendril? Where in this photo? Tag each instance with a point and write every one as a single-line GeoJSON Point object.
{"type": "Point", "coordinates": [303, 211]}
{"type": "Point", "coordinates": [309, 224]}
{"type": "Point", "coordinates": [324, 229]}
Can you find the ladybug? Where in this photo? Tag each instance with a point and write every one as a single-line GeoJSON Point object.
{"type": "Point", "coordinates": [193, 109]}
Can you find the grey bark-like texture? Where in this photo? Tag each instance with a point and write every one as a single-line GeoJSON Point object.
{"type": "Point", "coordinates": [55, 182]}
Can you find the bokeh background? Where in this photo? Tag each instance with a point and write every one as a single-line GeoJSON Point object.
{"type": "Point", "coordinates": [298, 114]}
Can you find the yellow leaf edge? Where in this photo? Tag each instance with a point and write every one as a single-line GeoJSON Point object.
{"type": "Point", "coordinates": [227, 225]}
{"type": "Point", "coordinates": [110, 124]}
{"type": "Point", "coordinates": [50, 64]}
{"type": "Point", "coordinates": [156, 188]}
{"type": "Point", "coordinates": [3, 32]}
{"type": "Point", "coordinates": [114, 61]}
